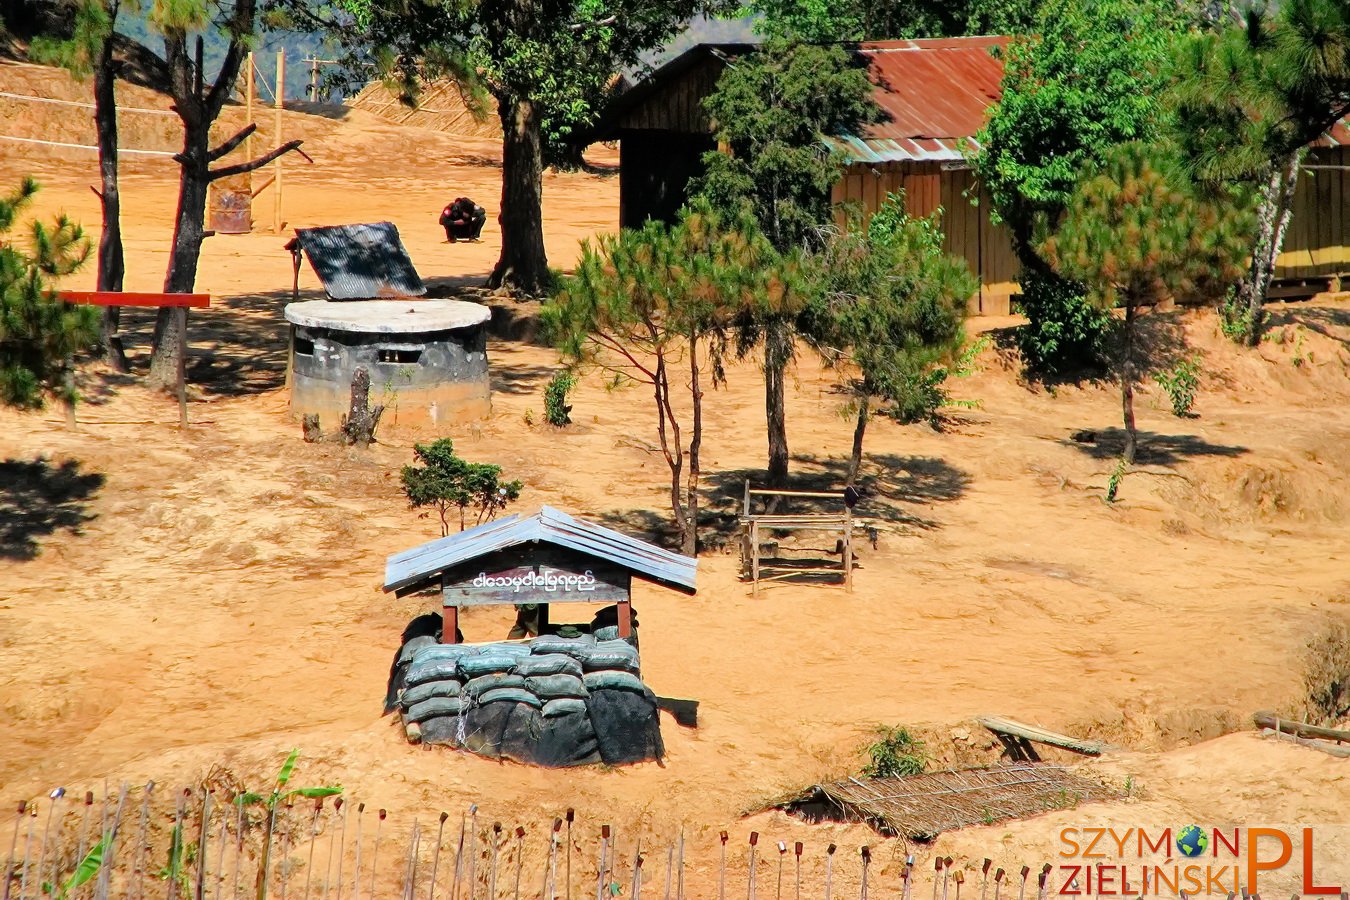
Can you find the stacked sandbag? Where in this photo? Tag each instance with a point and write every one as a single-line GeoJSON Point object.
{"type": "Point", "coordinates": [553, 702]}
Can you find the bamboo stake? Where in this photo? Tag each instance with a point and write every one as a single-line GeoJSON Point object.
{"type": "Point", "coordinates": [907, 878]}
{"type": "Point", "coordinates": [797, 852]}
{"type": "Point", "coordinates": [722, 871]}
{"type": "Point", "coordinates": [637, 871]}
{"type": "Point", "coordinates": [600, 875]}
{"type": "Point", "coordinates": [520, 860]}
{"type": "Point", "coordinates": [473, 852]}
{"type": "Point", "coordinates": [84, 832]}
{"type": "Point", "coordinates": [220, 856]}
{"type": "Point", "coordinates": [670, 870]}
{"type": "Point", "coordinates": [54, 796]}
{"type": "Point", "coordinates": [492, 870]}
{"type": "Point", "coordinates": [14, 847]}
{"type": "Point", "coordinates": [202, 830]}
{"type": "Point", "coordinates": [782, 853]}
{"type": "Point", "coordinates": [866, 863]}
{"type": "Point", "coordinates": [984, 876]}
{"type": "Point", "coordinates": [283, 870]}
{"type": "Point", "coordinates": [279, 95]}
{"type": "Point", "coordinates": [356, 873]}
{"type": "Point", "coordinates": [410, 871]}
{"type": "Point", "coordinates": [1022, 889]}
{"type": "Point", "coordinates": [104, 886]}
{"type": "Point", "coordinates": [551, 867]}
{"type": "Point", "coordinates": [313, 839]}
{"type": "Point", "coordinates": [946, 873]}
{"type": "Point", "coordinates": [342, 836]}
{"type": "Point", "coordinates": [829, 869]}
{"type": "Point", "coordinates": [750, 885]}
{"type": "Point", "coordinates": [240, 823]}
{"type": "Point", "coordinates": [171, 883]}
{"type": "Point", "coordinates": [375, 854]}
{"type": "Point", "coordinates": [998, 883]}
{"type": "Point", "coordinates": [142, 839]}
{"type": "Point", "coordinates": [571, 814]}
{"type": "Point", "coordinates": [459, 856]}
{"type": "Point", "coordinates": [937, 869]}
{"type": "Point", "coordinates": [679, 879]}
{"type": "Point", "coordinates": [435, 858]}
{"type": "Point", "coordinates": [960, 879]}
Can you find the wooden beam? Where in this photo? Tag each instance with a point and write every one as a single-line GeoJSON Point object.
{"type": "Point", "coordinates": [1301, 729]}
{"type": "Point", "coordinates": [1325, 746]}
{"type": "Point", "coordinates": [1001, 727]}
{"type": "Point", "coordinates": [625, 610]}
{"type": "Point", "coordinates": [135, 298]}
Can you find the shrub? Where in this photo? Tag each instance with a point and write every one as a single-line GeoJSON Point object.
{"type": "Point", "coordinates": [1064, 330]}
{"type": "Point", "coordinates": [1234, 317]}
{"type": "Point", "coordinates": [1180, 382]}
{"type": "Point", "coordinates": [557, 411]}
{"type": "Point", "coordinates": [444, 481]}
{"type": "Point", "coordinates": [895, 753]}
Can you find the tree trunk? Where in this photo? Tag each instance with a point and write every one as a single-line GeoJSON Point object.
{"type": "Point", "coordinates": [111, 262]}
{"type": "Point", "coordinates": [358, 426]}
{"type": "Point", "coordinates": [188, 233]}
{"type": "Point", "coordinates": [855, 461]}
{"type": "Point", "coordinates": [777, 352]}
{"type": "Point", "coordinates": [523, 264]}
{"type": "Point", "coordinates": [1272, 220]}
{"type": "Point", "coordinates": [690, 542]}
{"type": "Point", "coordinates": [1127, 386]}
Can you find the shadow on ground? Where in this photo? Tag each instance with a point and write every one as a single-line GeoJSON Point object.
{"type": "Point", "coordinates": [37, 499]}
{"type": "Point", "coordinates": [889, 485]}
{"type": "Point", "coordinates": [1154, 449]}
{"type": "Point", "coordinates": [1322, 320]}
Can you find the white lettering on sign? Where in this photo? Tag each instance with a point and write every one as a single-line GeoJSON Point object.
{"type": "Point", "coordinates": [547, 580]}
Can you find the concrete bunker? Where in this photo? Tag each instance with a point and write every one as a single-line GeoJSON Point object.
{"type": "Point", "coordinates": [571, 695]}
{"type": "Point", "coordinates": [427, 359]}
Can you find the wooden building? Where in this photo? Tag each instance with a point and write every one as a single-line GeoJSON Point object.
{"type": "Point", "coordinates": [936, 95]}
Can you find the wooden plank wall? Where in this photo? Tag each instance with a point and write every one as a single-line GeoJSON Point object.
{"type": "Point", "coordinates": [1316, 242]}
{"type": "Point", "coordinates": [677, 106]}
{"type": "Point", "coordinates": [967, 229]}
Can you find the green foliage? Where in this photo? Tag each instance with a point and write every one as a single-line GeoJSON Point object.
{"type": "Point", "coordinates": [826, 21]}
{"type": "Point", "coordinates": [178, 866]}
{"type": "Point", "coordinates": [1180, 384]}
{"type": "Point", "coordinates": [1233, 321]}
{"type": "Point", "coordinates": [1137, 230]}
{"type": "Point", "coordinates": [84, 871]}
{"type": "Point", "coordinates": [888, 300]}
{"type": "Point", "coordinates": [645, 301]}
{"type": "Point", "coordinates": [39, 334]}
{"type": "Point", "coordinates": [444, 481]}
{"type": "Point", "coordinates": [281, 792]}
{"type": "Point", "coordinates": [895, 754]}
{"type": "Point", "coordinates": [1114, 480]}
{"type": "Point", "coordinates": [1086, 80]}
{"type": "Point", "coordinates": [557, 411]}
{"type": "Point", "coordinates": [1064, 330]}
{"type": "Point", "coordinates": [773, 109]}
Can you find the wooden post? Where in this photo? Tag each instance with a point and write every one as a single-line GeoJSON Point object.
{"type": "Point", "coordinates": [449, 622]}
{"type": "Point", "coordinates": [181, 313]}
{"type": "Point", "coordinates": [848, 550]}
{"type": "Point", "coordinates": [625, 611]}
{"type": "Point", "coordinates": [754, 558]}
{"type": "Point", "coordinates": [248, 103]}
{"type": "Point", "coordinates": [279, 95]}
{"type": "Point", "coordinates": [313, 79]}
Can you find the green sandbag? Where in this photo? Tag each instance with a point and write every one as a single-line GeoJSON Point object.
{"type": "Point", "coordinates": [611, 680]}
{"type": "Point", "coordinates": [422, 671]}
{"type": "Point", "coordinates": [551, 687]}
{"type": "Point", "coordinates": [511, 695]}
{"type": "Point", "coordinates": [442, 651]}
{"type": "Point", "coordinates": [565, 706]}
{"type": "Point", "coordinates": [416, 645]}
{"type": "Point", "coordinates": [548, 664]}
{"type": "Point", "coordinates": [477, 687]}
{"type": "Point", "coordinates": [427, 690]}
{"type": "Point", "coordinates": [485, 664]}
{"type": "Point", "coordinates": [436, 706]}
{"type": "Point", "coordinates": [610, 655]}
{"type": "Point", "coordinates": [551, 643]}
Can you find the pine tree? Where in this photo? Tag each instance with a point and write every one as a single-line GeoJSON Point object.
{"type": "Point", "coordinates": [39, 333]}
{"type": "Point", "coordinates": [1138, 231]}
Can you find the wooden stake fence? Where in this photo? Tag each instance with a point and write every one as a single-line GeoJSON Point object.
{"type": "Point", "coordinates": [45, 840]}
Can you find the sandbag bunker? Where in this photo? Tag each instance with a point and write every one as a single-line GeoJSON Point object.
{"type": "Point", "coordinates": [573, 694]}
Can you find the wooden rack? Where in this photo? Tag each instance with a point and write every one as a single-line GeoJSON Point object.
{"type": "Point", "coordinates": [753, 526]}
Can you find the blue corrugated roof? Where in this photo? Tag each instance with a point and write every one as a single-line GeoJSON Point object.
{"type": "Point", "coordinates": [361, 262]}
{"type": "Point", "coordinates": [418, 565]}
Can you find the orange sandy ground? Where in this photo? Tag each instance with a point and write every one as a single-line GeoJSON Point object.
{"type": "Point", "coordinates": [220, 603]}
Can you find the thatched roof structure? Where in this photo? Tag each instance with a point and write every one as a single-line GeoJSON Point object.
{"type": "Point", "coordinates": [440, 107]}
{"type": "Point", "coordinates": [923, 806]}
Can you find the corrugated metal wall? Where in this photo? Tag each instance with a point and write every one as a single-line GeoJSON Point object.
{"type": "Point", "coordinates": [967, 230]}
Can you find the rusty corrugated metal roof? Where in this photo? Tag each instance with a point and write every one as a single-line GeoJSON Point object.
{"type": "Point", "coordinates": [360, 262]}
{"type": "Point", "coordinates": [934, 94]}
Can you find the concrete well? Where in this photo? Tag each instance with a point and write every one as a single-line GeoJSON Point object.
{"type": "Point", "coordinates": [427, 359]}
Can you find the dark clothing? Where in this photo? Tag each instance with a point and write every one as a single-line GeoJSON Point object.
{"type": "Point", "coordinates": [463, 220]}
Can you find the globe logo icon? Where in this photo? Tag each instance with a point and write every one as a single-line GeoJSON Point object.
{"type": "Point", "coordinates": [1192, 841]}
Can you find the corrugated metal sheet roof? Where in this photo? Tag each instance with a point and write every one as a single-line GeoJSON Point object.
{"type": "Point", "coordinates": [360, 262]}
{"type": "Point", "coordinates": [418, 565]}
{"type": "Point", "coordinates": [934, 95]}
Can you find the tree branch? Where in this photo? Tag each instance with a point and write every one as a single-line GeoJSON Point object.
{"type": "Point", "coordinates": [241, 168]}
{"type": "Point", "coordinates": [225, 148]}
